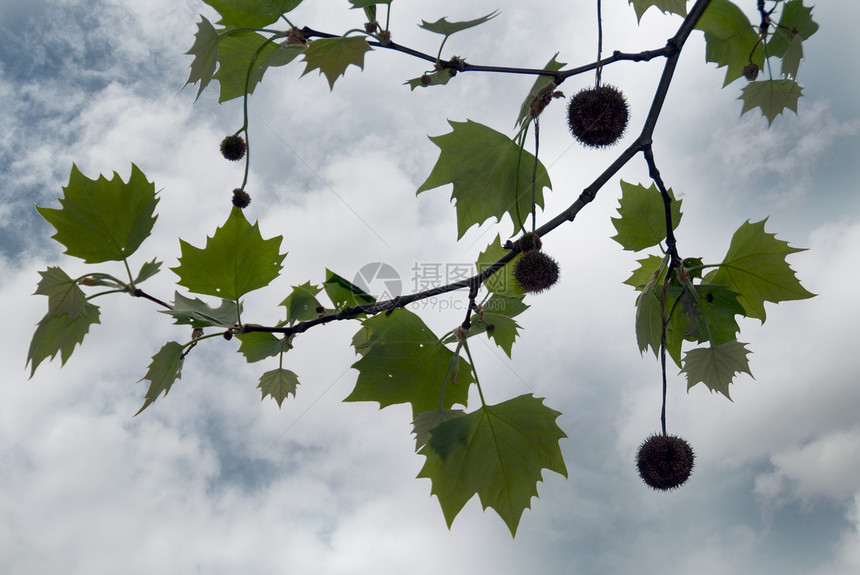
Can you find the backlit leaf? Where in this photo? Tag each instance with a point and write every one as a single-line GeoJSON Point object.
{"type": "Point", "coordinates": [442, 26]}
{"type": "Point", "coordinates": [164, 370]}
{"type": "Point", "coordinates": [729, 38]}
{"type": "Point", "coordinates": [772, 96]}
{"type": "Point", "coordinates": [439, 78]}
{"type": "Point", "coordinates": [278, 384]}
{"type": "Point", "coordinates": [257, 346]}
{"type": "Point", "coordinates": [302, 303]}
{"type": "Point", "coordinates": [643, 217]}
{"type": "Point", "coordinates": [716, 366]}
{"type": "Point", "coordinates": [542, 84]}
{"type": "Point", "coordinates": [427, 421]}
{"type": "Point", "coordinates": [491, 174]}
{"type": "Point", "coordinates": [795, 21]}
{"type": "Point", "coordinates": [344, 293]}
{"type": "Point", "coordinates": [502, 282]}
{"type": "Point", "coordinates": [205, 52]}
{"type": "Point", "coordinates": [103, 220]}
{"type": "Point", "coordinates": [671, 6]}
{"type": "Point", "coordinates": [198, 314]}
{"type": "Point", "coordinates": [60, 334]}
{"type": "Point", "coordinates": [645, 273]}
{"type": "Point", "coordinates": [251, 13]}
{"type": "Point", "coordinates": [235, 261]}
{"type": "Point", "coordinates": [332, 56]}
{"type": "Point", "coordinates": [147, 270]}
{"type": "Point", "coordinates": [235, 52]}
{"type": "Point", "coordinates": [64, 295]}
{"type": "Point", "coordinates": [497, 452]}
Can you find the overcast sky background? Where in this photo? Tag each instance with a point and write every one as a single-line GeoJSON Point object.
{"type": "Point", "coordinates": [211, 480]}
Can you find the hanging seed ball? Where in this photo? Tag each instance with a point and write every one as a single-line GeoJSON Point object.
{"type": "Point", "coordinates": [750, 72]}
{"type": "Point", "coordinates": [535, 271]}
{"type": "Point", "coordinates": [233, 148]}
{"type": "Point", "coordinates": [241, 198]}
{"type": "Point", "coordinates": [598, 116]}
{"type": "Point", "coordinates": [665, 461]}
{"type": "Point", "coordinates": [529, 242]}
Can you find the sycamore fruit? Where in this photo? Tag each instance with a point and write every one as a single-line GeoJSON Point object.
{"type": "Point", "coordinates": [233, 148]}
{"type": "Point", "coordinates": [665, 461]}
{"type": "Point", "coordinates": [598, 116]}
{"type": "Point", "coordinates": [535, 271]}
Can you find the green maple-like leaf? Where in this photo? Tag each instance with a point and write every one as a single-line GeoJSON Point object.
{"type": "Point", "coordinates": [64, 295]}
{"type": "Point", "coordinates": [502, 282]}
{"type": "Point", "coordinates": [147, 270]}
{"type": "Point", "coordinates": [278, 383]}
{"type": "Point", "coordinates": [497, 452]}
{"type": "Point", "coordinates": [257, 346]}
{"type": "Point", "coordinates": [772, 96]}
{"type": "Point", "coordinates": [235, 261]}
{"type": "Point", "coordinates": [730, 39]}
{"type": "Point", "coordinates": [643, 217]}
{"type": "Point", "coordinates": [755, 267]}
{"type": "Point", "coordinates": [404, 362]}
{"type": "Point", "coordinates": [542, 85]}
{"type": "Point", "coordinates": [429, 420]}
{"type": "Point", "coordinates": [645, 273]}
{"type": "Point", "coordinates": [302, 303]}
{"type": "Point", "coordinates": [205, 52]}
{"type": "Point", "coordinates": [649, 315]}
{"type": "Point", "coordinates": [792, 57]}
{"type": "Point", "coordinates": [439, 78]}
{"type": "Point", "coordinates": [795, 22]}
{"type": "Point", "coordinates": [103, 220]}
{"type": "Point", "coordinates": [442, 26]}
{"type": "Point", "coordinates": [716, 366]}
{"type": "Point", "coordinates": [60, 334]}
{"type": "Point", "coordinates": [344, 293]}
{"type": "Point", "coordinates": [199, 314]}
{"type": "Point", "coordinates": [708, 315]}
{"type": "Point", "coordinates": [236, 51]}
{"type": "Point", "coordinates": [251, 13]}
{"type": "Point", "coordinates": [496, 320]}
{"type": "Point", "coordinates": [670, 6]}
{"type": "Point", "coordinates": [332, 56]}
{"type": "Point", "coordinates": [491, 174]}
{"type": "Point", "coordinates": [164, 370]}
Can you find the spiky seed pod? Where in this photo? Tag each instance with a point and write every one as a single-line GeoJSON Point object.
{"type": "Point", "coordinates": [535, 271]}
{"type": "Point", "coordinates": [241, 198]}
{"type": "Point", "coordinates": [665, 461]}
{"type": "Point", "coordinates": [751, 72]}
{"type": "Point", "coordinates": [233, 148]}
{"type": "Point", "coordinates": [529, 242]}
{"type": "Point", "coordinates": [598, 116]}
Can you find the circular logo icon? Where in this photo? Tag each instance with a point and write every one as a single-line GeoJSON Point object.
{"type": "Point", "coordinates": [379, 280]}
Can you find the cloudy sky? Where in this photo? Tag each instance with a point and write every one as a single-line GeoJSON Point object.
{"type": "Point", "coordinates": [212, 480]}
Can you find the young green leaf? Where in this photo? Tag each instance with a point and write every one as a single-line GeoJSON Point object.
{"type": "Point", "coordinates": [406, 363]}
{"type": "Point", "coordinates": [344, 293]}
{"type": "Point", "coordinates": [164, 370]}
{"type": "Point", "coordinates": [502, 282]}
{"type": "Point", "coordinates": [541, 85]}
{"type": "Point", "coordinates": [302, 303]}
{"type": "Point", "coordinates": [64, 295]}
{"type": "Point", "coordinates": [649, 316]}
{"type": "Point", "coordinates": [496, 320]}
{"type": "Point", "coordinates": [235, 261]}
{"type": "Point", "coordinates": [716, 366]}
{"type": "Point", "coordinates": [491, 174]}
{"type": "Point", "coordinates": [772, 96]}
{"type": "Point", "coordinates": [442, 26]}
{"type": "Point", "coordinates": [647, 268]}
{"type": "Point", "coordinates": [251, 13]}
{"type": "Point", "coordinates": [755, 267]}
{"type": "Point", "coordinates": [205, 52]}
{"type": "Point", "coordinates": [429, 420]}
{"type": "Point", "coordinates": [497, 452]}
{"type": "Point", "coordinates": [332, 56]}
{"type": "Point", "coordinates": [147, 270]}
{"type": "Point", "coordinates": [643, 217]}
{"type": "Point", "coordinates": [103, 220]}
{"type": "Point", "coordinates": [670, 6]}
{"type": "Point", "coordinates": [235, 52]}
{"type": "Point", "coordinates": [795, 22]}
{"type": "Point", "coordinates": [439, 78]}
{"type": "Point", "coordinates": [257, 346]}
{"type": "Point", "coordinates": [730, 39]}
{"type": "Point", "coordinates": [278, 383]}
{"type": "Point", "coordinates": [60, 334]}
{"type": "Point", "coordinates": [198, 314]}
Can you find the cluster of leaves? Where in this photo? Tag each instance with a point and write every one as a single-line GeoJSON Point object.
{"type": "Point", "coordinates": [498, 451]}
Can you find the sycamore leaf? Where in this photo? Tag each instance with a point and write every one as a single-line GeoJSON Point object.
{"type": "Point", "coordinates": [772, 96]}
{"type": "Point", "coordinates": [60, 334]}
{"type": "Point", "coordinates": [332, 56]}
{"type": "Point", "coordinates": [302, 303]}
{"type": "Point", "coordinates": [730, 39]}
{"type": "Point", "coordinates": [496, 320]}
{"type": "Point", "coordinates": [755, 268]}
{"type": "Point", "coordinates": [792, 57]}
{"type": "Point", "coordinates": [344, 293]}
{"type": "Point", "coordinates": [205, 52]}
{"type": "Point", "coordinates": [649, 316]}
{"type": "Point", "coordinates": [278, 383]}
{"type": "Point", "coordinates": [147, 270]}
{"type": "Point", "coordinates": [235, 52]}
{"type": "Point", "coordinates": [251, 13]}
{"type": "Point", "coordinates": [235, 261]}
{"type": "Point", "coordinates": [428, 420]}
{"type": "Point", "coordinates": [491, 174]}
{"type": "Point", "coordinates": [164, 370]}
{"type": "Point", "coordinates": [406, 363]}
{"type": "Point", "coordinates": [367, 3]}
{"type": "Point", "coordinates": [64, 295]}
{"type": "Point", "coordinates": [442, 26]}
{"type": "Point", "coordinates": [439, 78]}
{"type": "Point", "coordinates": [648, 267]}
{"type": "Point", "coordinates": [670, 6]}
{"type": "Point", "coordinates": [257, 346]}
{"type": "Point", "coordinates": [795, 22]}
{"type": "Point", "coordinates": [716, 366]}
{"type": "Point", "coordinates": [198, 314]}
{"type": "Point", "coordinates": [542, 85]}
{"type": "Point", "coordinates": [643, 216]}
{"type": "Point", "coordinates": [707, 316]}
{"type": "Point", "coordinates": [497, 452]}
{"type": "Point", "coordinates": [502, 282]}
{"type": "Point", "coordinates": [103, 220]}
